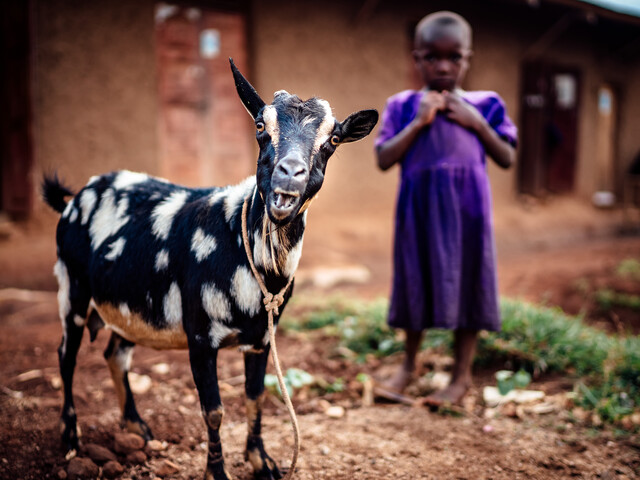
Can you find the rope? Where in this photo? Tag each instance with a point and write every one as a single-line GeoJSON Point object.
{"type": "Point", "coordinates": [272, 304]}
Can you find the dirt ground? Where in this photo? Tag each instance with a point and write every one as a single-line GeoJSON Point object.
{"type": "Point", "coordinates": [367, 442]}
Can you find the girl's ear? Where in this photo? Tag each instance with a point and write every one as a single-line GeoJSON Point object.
{"type": "Point", "coordinates": [358, 125]}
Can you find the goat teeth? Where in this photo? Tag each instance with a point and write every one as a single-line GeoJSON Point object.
{"type": "Point", "coordinates": [283, 201]}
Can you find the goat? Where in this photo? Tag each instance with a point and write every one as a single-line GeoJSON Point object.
{"type": "Point", "coordinates": [164, 266]}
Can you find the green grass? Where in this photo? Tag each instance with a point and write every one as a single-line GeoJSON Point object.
{"type": "Point", "coordinates": [608, 299]}
{"type": "Point", "coordinates": [629, 268]}
{"type": "Point", "coordinates": [537, 339]}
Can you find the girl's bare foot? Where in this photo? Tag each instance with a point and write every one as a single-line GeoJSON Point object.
{"type": "Point", "coordinates": [453, 395]}
{"type": "Point", "coordinates": [392, 389]}
{"type": "Point", "coordinates": [399, 381]}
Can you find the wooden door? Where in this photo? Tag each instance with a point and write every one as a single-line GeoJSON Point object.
{"type": "Point", "coordinates": [561, 135]}
{"type": "Point", "coordinates": [16, 144]}
{"type": "Point", "coordinates": [205, 133]}
{"type": "Point", "coordinates": [549, 133]}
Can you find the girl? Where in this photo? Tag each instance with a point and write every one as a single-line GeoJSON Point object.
{"type": "Point", "coordinates": [444, 254]}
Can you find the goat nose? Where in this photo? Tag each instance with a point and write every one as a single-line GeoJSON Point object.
{"type": "Point", "coordinates": [292, 167]}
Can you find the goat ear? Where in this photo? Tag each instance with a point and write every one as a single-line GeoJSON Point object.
{"type": "Point", "coordinates": [358, 125]}
{"type": "Point", "coordinates": [250, 98]}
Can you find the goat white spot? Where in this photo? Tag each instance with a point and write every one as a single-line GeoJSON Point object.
{"type": "Point", "coordinates": [270, 117]}
{"type": "Point", "coordinates": [67, 210]}
{"type": "Point", "coordinates": [293, 258]}
{"type": "Point", "coordinates": [93, 180]}
{"type": "Point", "coordinates": [216, 196]}
{"type": "Point", "coordinates": [64, 302]}
{"type": "Point", "coordinates": [246, 291]}
{"type": "Point", "coordinates": [108, 218]}
{"type": "Point", "coordinates": [261, 254]}
{"type": "Point", "coordinates": [88, 200]}
{"type": "Point", "coordinates": [218, 332]}
{"type": "Point", "coordinates": [235, 196]}
{"type": "Point", "coordinates": [123, 358]}
{"type": "Point", "coordinates": [126, 179]}
{"type": "Point", "coordinates": [215, 303]}
{"type": "Point", "coordinates": [172, 305]}
{"type": "Point", "coordinates": [165, 212]}
{"type": "Point", "coordinates": [116, 249]}
{"type": "Point", "coordinates": [266, 339]}
{"type": "Point", "coordinates": [202, 244]}
{"type": "Point", "coordinates": [74, 215]}
{"type": "Point", "coordinates": [325, 128]}
{"type": "Point", "coordinates": [125, 311]}
{"type": "Point", "coordinates": [162, 260]}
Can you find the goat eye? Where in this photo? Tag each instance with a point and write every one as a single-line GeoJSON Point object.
{"type": "Point", "coordinates": [335, 140]}
{"type": "Point", "coordinates": [260, 126]}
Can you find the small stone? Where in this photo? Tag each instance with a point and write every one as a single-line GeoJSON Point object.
{"type": "Point", "coordinates": [335, 411]}
{"type": "Point", "coordinates": [139, 383]}
{"type": "Point", "coordinates": [596, 420]}
{"type": "Point", "coordinates": [324, 450]}
{"type": "Point", "coordinates": [62, 474]}
{"type": "Point", "coordinates": [136, 458]}
{"type": "Point", "coordinates": [112, 469]}
{"type": "Point", "coordinates": [157, 445]}
{"type": "Point", "coordinates": [99, 454]}
{"type": "Point", "coordinates": [161, 368]}
{"type": "Point", "coordinates": [81, 467]}
{"type": "Point", "coordinates": [56, 382]}
{"type": "Point", "coordinates": [167, 468]}
{"type": "Point", "coordinates": [509, 410]}
{"type": "Point", "coordinates": [127, 442]}
{"type": "Point", "coordinates": [580, 414]}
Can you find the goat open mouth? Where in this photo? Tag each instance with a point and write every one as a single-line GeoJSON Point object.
{"type": "Point", "coordinates": [283, 203]}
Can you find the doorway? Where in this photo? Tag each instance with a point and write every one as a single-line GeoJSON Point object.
{"type": "Point", "coordinates": [549, 137]}
{"type": "Point", "coordinates": [16, 143]}
{"type": "Point", "coordinates": [205, 134]}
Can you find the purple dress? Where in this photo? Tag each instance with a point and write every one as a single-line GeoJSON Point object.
{"type": "Point", "coordinates": [444, 251]}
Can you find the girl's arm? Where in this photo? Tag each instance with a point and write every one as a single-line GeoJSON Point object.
{"type": "Point", "coordinates": [391, 151]}
{"type": "Point", "coordinates": [466, 115]}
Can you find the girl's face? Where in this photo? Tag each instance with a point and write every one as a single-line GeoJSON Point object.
{"type": "Point", "coordinates": [442, 58]}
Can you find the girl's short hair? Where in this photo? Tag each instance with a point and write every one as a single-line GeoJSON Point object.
{"type": "Point", "coordinates": [444, 18]}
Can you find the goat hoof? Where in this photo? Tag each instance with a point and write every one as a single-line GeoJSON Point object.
{"type": "Point", "coordinates": [217, 474]}
{"type": "Point", "coordinates": [266, 469]}
{"type": "Point", "coordinates": [139, 427]}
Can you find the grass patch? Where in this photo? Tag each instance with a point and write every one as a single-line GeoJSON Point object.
{"type": "Point", "coordinates": [607, 299]}
{"type": "Point", "coordinates": [533, 338]}
{"type": "Point", "coordinates": [629, 268]}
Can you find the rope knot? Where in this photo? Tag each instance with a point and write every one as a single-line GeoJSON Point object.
{"type": "Point", "coordinates": [272, 302]}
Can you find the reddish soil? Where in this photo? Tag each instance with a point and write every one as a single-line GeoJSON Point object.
{"type": "Point", "coordinates": [368, 442]}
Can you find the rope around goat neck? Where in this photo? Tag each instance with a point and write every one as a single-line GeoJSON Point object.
{"type": "Point", "coordinates": [272, 303]}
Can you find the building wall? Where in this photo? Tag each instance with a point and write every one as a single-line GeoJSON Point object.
{"type": "Point", "coordinates": [358, 61]}
{"type": "Point", "coordinates": [94, 88]}
{"type": "Point", "coordinates": [96, 105]}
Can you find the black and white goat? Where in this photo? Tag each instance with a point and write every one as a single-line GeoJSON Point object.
{"type": "Point", "coordinates": [164, 266]}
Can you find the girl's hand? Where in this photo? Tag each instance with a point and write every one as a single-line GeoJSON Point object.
{"type": "Point", "coordinates": [430, 103]}
{"type": "Point", "coordinates": [462, 112]}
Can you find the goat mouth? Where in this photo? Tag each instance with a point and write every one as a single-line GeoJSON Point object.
{"type": "Point", "coordinates": [283, 203]}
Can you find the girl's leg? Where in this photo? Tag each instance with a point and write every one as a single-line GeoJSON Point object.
{"type": "Point", "coordinates": [402, 377]}
{"type": "Point", "coordinates": [464, 346]}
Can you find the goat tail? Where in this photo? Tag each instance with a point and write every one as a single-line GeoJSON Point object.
{"type": "Point", "coordinates": [53, 192]}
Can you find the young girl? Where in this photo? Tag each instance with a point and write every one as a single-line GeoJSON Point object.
{"type": "Point", "coordinates": [444, 254]}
